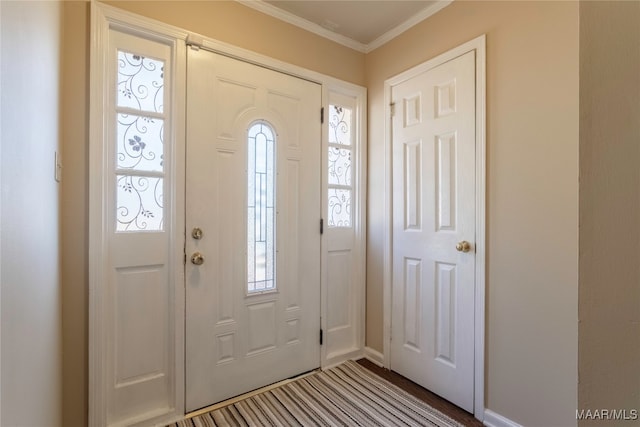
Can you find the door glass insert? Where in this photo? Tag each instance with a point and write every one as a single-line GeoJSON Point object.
{"type": "Point", "coordinates": [339, 208]}
{"type": "Point", "coordinates": [140, 144]}
{"type": "Point", "coordinates": [139, 203]}
{"type": "Point", "coordinates": [261, 208]}
{"type": "Point", "coordinates": [340, 125]}
{"type": "Point", "coordinates": [140, 82]}
{"type": "Point", "coordinates": [339, 166]}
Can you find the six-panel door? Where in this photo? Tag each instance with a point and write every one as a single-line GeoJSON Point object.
{"type": "Point", "coordinates": [432, 328]}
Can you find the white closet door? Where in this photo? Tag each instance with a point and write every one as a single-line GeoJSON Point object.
{"type": "Point", "coordinates": [434, 229]}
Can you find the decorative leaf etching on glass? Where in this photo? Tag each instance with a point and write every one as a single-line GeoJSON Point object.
{"type": "Point", "coordinates": [340, 125]}
{"type": "Point", "coordinates": [339, 166]}
{"type": "Point", "coordinates": [261, 208]}
{"type": "Point", "coordinates": [339, 207]}
{"type": "Point", "coordinates": [140, 143]}
{"type": "Point", "coordinates": [139, 203]}
{"type": "Point", "coordinates": [140, 82]}
{"type": "Point", "coordinates": [340, 189]}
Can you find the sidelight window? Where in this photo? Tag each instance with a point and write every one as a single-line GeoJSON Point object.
{"type": "Point", "coordinates": [340, 170]}
{"type": "Point", "coordinates": [140, 120]}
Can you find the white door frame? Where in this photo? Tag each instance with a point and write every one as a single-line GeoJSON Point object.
{"type": "Point", "coordinates": [478, 45]}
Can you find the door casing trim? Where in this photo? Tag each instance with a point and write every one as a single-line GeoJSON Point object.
{"type": "Point", "coordinates": [479, 46]}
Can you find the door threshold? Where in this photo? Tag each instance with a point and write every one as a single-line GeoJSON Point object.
{"type": "Point", "coordinates": [247, 395]}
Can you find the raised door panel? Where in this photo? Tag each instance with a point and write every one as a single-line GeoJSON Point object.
{"type": "Point", "coordinates": [412, 316]}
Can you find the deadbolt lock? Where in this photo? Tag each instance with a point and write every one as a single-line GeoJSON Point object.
{"type": "Point", "coordinates": [196, 233]}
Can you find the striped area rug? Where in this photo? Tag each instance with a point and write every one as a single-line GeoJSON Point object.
{"type": "Point", "coordinates": [347, 395]}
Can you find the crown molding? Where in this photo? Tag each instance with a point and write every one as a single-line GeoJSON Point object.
{"type": "Point", "coordinates": [283, 15]}
{"type": "Point", "coordinates": [312, 27]}
{"type": "Point", "coordinates": [415, 19]}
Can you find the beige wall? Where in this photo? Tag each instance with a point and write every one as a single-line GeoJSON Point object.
{"type": "Point", "coordinates": [30, 239]}
{"type": "Point", "coordinates": [75, 218]}
{"type": "Point", "coordinates": [532, 195]}
{"type": "Point", "coordinates": [532, 139]}
{"type": "Point", "coordinates": [233, 23]}
{"type": "Point", "coordinates": [609, 303]}
{"type": "Point", "coordinates": [225, 21]}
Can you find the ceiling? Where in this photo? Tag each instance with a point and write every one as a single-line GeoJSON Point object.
{"type": "Point", "coordinates": [360, 24]}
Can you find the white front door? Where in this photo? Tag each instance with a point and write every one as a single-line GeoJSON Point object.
{"type": "Point", "coordinates": [252, 227]}
{"type": "Point", "coordinates": [432, 323]}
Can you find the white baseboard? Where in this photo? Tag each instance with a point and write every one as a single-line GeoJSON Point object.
{"type": "Point", "coordinates": [492, 419]}
{"type": "Point", "coordinates": [374, 356]}
{"type": "Point", "coordinates": [335, 359]}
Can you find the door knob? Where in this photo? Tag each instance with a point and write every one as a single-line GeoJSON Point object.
{"type": "Point", "coordinates": [197, 259]}
{"type": "Point", "coordinates": [196, 233]}
{"type": "Point", "coordinates": [463, 246]}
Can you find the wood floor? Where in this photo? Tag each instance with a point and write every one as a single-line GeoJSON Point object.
{"type": "Point", "coordinates": [426, 396]}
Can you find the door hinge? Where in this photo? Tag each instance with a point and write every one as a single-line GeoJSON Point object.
{"type": "Point", "coordinates": [57, 167]}
{"type": "Point", "coordinates": [320, 336]}
{"type": "Point", "coordinates": [322, 115]}
{"type": "Point", "coordinates": [321, 226]}
{"type": "Point", "coordinates": [392, 106]}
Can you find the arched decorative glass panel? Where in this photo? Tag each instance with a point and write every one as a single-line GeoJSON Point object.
{"type": "Point", "coordinates": [261, 259]}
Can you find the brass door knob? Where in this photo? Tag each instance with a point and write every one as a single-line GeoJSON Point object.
{"type": "Point", "coordinates": [463, 246]}
{"type": "Point", "coordinates": [197, 259]}
{"type": "Point", "coordinates": [196, 233]}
